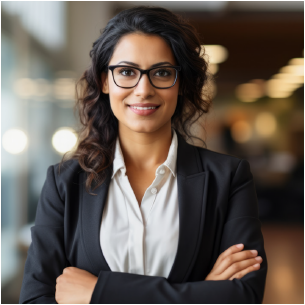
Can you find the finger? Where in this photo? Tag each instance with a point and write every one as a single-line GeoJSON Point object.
{"type": "Point", "coordinates": [242, 273]}
{"type": "Point", "coordinates": [239, 266]}
{"type": "Point", "coordinates": [233, 258]}
{"type": "Point", "coordinates": [229, 251]}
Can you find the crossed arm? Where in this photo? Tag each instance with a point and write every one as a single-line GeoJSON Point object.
{"type": "Point", "coordinates": [73, 285]}
{"type": "Point", "coordinates": [77, 286]}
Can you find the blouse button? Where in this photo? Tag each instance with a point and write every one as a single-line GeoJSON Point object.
{"type": "Point", "coordinates": [154, 190]}
{"type": "Point", "coordinates": [162, 171]}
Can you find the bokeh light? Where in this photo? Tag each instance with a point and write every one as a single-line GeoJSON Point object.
{"type": "Point", "coordinates": [14, 141]}
{"type": "Point", "coordinates": [250, 92]}
{"type": "Point", "coordinates": [241, 131]}
{"type": "Point", "coordinates": [265, 124]}
{"type": "Point", "coordinates": [64, 88]}
{"type": "Point", "coordinates": [279, 88]}
{"type": "Point", "coordinates": [215, 54]}
{"type": "Point", "coordinates": [293, 69]}
{"type": "Point", "coordinates": [64, 139]}
{"type": "Point", "coordinates": [25, 87]}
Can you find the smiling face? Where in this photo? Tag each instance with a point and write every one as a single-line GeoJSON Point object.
{"type": "Point", "coordinates": [144, 51]}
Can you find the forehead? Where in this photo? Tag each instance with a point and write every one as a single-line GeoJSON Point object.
{"type": "Point", "coordinates": [142, 49]}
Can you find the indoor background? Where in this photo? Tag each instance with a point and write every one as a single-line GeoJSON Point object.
{"type": "Point", "coordinates": [256, 53]}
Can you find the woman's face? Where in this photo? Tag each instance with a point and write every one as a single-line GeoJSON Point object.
{"type": "Point", "coordinates": [144, 51]}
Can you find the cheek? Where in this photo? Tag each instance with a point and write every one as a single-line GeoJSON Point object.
{"type": "Point", "coordinates": [170, 99]}
{"type": "Point", "coordinates": [116, 92]}
{"type": "Point", "coordinates": [117, 96]}
{"type": "Point", "coordinates": [118, 107]}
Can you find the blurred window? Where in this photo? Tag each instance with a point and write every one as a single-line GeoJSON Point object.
{"type": "Point", "coordinates": [45, 20]}
{"type": "Point", "coordinates": [29, 116]}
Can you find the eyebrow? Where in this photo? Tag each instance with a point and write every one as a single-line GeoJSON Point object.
{"type": "Point", "coordinates": [152, 66]}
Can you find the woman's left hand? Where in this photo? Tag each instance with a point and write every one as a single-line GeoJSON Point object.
{"type": "Point", "coordinates": [75, 286]}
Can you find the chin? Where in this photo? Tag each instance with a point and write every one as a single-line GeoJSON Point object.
{"type": "Point", "coordinates": [144, 128]}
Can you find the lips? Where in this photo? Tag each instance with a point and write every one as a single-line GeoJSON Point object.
{"type": "Point", "coordinates": [144, 105]}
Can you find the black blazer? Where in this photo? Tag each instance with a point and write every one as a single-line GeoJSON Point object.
{"type": "Point", "coordinates": [217, 209]}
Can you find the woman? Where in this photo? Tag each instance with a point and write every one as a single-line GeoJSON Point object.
{"type": "Point", "coordinates": [168, 222]}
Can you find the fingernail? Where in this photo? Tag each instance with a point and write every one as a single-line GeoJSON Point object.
{"type": "Point", "coordinates": [254, 251]}
{"type": "Point", "coordinates": [256, 265]}
{"type": "Point", "coordinates": [239, 245]}
{"type": "Point", "coordinates": [258, 258]}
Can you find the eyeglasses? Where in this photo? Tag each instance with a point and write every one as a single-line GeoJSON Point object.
{"type": "Point", "coordinates": [128, 77]}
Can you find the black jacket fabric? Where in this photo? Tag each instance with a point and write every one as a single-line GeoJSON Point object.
{"type": "Point", "coordinates": [217, 209]}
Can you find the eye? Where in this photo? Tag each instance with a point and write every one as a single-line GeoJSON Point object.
{"type": "Point", "coordinates": [126, 72]}
{"type": "Point", "coordinates": [163, 72]}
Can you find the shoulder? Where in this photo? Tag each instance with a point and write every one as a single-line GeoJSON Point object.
{"type": "Point", "coordinates": [67, 169]}
{"type": "Point", "coordinates": [217, 157]}
{"type": "Point", "coordinates": [210, 160]}
{"type": "Point", "coordinates": [51, 205]}
{"type": "Point", "coordinates": [66, 175]}
{"type": "Point", "coordinates": [220, 162]}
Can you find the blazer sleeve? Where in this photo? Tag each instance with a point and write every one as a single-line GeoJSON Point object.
{"type": "Point", "coordinates": [46, 255]}
{"type": "Point", "coordinates": [241, 226]}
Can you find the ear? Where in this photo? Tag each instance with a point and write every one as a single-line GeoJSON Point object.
{"type": "Point", "coordinates": [105, 85]}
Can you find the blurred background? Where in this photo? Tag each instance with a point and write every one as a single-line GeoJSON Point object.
{"type": "Point", "coordinates": [256, 53]}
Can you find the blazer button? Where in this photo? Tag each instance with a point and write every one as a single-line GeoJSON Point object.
{"type": "Point", "coordinates": [154, 190]}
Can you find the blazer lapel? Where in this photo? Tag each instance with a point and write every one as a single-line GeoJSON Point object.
{"type": "Point", "coordinates": [92, 207]}
{"type": "Point", "coordinates": [192, 197]}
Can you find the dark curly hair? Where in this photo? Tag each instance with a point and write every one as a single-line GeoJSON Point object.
{"type": "Point", "coordinates": [99, 126]}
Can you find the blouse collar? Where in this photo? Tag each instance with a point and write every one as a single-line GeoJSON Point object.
{"type": "Point", "coordinates": [170, 162]}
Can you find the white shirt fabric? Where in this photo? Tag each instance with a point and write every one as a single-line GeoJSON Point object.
{"type": "Point", "coordinates": [142, 239]}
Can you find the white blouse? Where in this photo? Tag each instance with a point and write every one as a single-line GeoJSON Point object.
{"type": "Point", "coordinates": [142, 239]}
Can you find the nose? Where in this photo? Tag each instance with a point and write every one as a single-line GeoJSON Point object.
{"type": "Point", "coordinates": [144, 88]}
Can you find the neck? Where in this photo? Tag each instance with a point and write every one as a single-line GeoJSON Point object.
{"type": "Point", "coordinates": [144, 151]}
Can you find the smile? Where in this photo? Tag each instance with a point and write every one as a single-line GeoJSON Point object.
{"type": "Point", "coordinates": [144, 110]}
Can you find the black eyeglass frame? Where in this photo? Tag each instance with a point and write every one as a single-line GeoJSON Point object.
{"type": "Point", "coordinates": [177, 68]}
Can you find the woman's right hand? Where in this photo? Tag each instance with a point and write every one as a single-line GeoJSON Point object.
{"type": "Point", "coordinates": [234, 263]}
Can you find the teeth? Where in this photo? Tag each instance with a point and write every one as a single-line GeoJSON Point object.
{"type": "Point", "coordinates": [143, 108]}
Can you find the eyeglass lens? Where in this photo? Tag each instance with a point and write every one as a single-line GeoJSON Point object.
{"type": "Point", "coordinates": [128, 77]}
